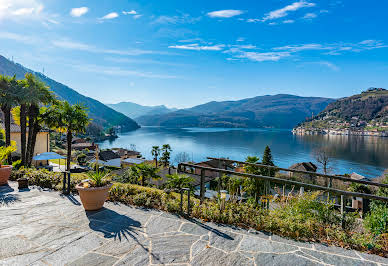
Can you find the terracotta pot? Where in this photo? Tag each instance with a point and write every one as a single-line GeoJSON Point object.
{"type": "Point", "coordinates": [93, 198]}
{"type": "Point", "coordinates": [5, 172]}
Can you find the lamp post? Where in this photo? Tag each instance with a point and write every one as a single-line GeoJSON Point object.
{"type": "Point", "coordinates": [223, 198]}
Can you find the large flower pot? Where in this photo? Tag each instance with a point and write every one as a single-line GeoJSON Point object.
{"type": "Point", "coordinates": [93, 198]}
{"type": "Point", "coordinates": [5, 172]}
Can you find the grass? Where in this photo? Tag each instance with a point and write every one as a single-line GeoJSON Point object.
{"type": "Point", "coordinates": [60, 162]}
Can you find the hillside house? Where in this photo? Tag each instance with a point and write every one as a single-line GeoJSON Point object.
{"type": "Point", "coordinates": [42, 139]}
{"type": "Point", "coordinates": [304, 166]}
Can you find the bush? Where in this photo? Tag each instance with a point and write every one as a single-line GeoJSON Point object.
{"type": "Point", "coordinates": [46, 179]}
{"type": "Point", "coordinates": [377, 220]}
{"type": "Point", "coordinates": [17, 164]}
{"type": "Point", "coordinates": [149, 197]}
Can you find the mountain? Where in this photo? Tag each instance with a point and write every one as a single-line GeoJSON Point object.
{"type": "Point", "coordinates": [278, 111]}
{"type": "Point", "coordinates": [100, 113]}
{"type": "Point", "coordinates": [367, 111]}
{"type": "Point", "coordinates": [135, 110]}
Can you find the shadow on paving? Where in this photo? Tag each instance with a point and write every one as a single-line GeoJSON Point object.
{"type": "Point", "coordinates": [211, 229]}
{"type": "Point", "coordinates": [71, 199]}
{"type": "Point", "coordinates": [113, 224]}
{"type": "Point", "coordinates": [5, 198]}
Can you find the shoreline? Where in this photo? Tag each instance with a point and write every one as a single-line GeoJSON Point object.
{"type": "Point", "coordinates": [339, 132]}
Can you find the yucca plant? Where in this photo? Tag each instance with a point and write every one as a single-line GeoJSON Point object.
{"type": "Point", "coordinates": [99, 178]}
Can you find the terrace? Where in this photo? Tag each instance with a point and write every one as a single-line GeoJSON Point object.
{"type": "Point", "coordinates": [44, 227]}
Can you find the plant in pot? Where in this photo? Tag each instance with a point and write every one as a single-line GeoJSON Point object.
{"type": "Point", "coordinates": [5, 170]}
{"type": "Point", "coordinates": [94, 191]}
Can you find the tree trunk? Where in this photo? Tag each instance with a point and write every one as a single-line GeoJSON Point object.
{"type": "Point", "coordinates": [31, 121]}
{"type": "Point", "coordinates": [7, 126]}
{"type": "Point", "coordinates": [35, 132]}
{"type": "Point", "coordinates": [156, 161]}
{"type": "Point", "coordinates": [23, 133]}
{"type": "Point", "coordinates": [69, 138]}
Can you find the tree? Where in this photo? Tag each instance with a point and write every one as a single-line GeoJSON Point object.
{"type": "Point", "coordinates": [37, 93]}
{"type": "Point", "coordinates": [268, 160]}
{"type": "Point", "coordinates": [182, 157]}
{"type": "Point", "coordinates": [166, 149]}
{"type": "Point", "coordinates": [72, 119]}
{"type": "Point", "coordinates": [252, 185]}
{"type": "Point", "coordinates": [142, 173]}
{"type": "Point", "coordinates": [8, 91]}
{"type": "Point", "coordinates": [155, 152]}
{"type": "Point", "coordinates": [176, 181]}
{"type": "Point", "coordinates": [323, 157]}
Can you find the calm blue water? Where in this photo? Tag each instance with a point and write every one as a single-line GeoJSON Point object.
{"type": "Point", "coordinates": [365, 155]}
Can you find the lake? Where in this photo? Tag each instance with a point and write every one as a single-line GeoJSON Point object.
{"type": "Point", "coordinates": [367, 156]}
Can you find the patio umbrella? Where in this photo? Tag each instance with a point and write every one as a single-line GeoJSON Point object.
{"type": "Point", "coordinates": [47, 156]}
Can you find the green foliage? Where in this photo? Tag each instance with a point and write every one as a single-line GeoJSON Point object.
{"type": "Point", "coordinates": [253, 186]}
{"type": "Point", "coordinates": [139, 174]}
{"type": "Point", "coordinates": [149, 197]}
{"type": "Point", "coordinates": [5, 152]}
{"type": "Point", "coordinates": [155, 152]}
{"type": "Point", "coordinates": [99, 178]}
{"type": "Point", "coordinates": [377, 220]}
{"type": "Point", "coordinates": [2, 137]}
{"type": "Point", "coordinates": [166, 149]}
{"type": "Point", "coordinates": [176, 181]}
{"type": "Point", "coordinates": [81, 158]}
{"type": "Point", "coordinates": [355, 187]}
{"type": "Point", "coordinates": [268, 160]}
{"type": "Point", "coordinates": [46, 179]}
{"type": "Point", "coordinates": [17, 164]}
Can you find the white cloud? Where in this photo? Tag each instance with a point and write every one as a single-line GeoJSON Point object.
{"type": "Point", "coordinates": [17, 37]}
{"type": "Point", "coordinates": [117, 71]}
{"type": "Point", "coordinates": [181, 19]}
{"type": "Point", "coordinates": [240, 39]}
{"type": "Point", "coordinates": [253, 20]}
{"type": "Point", "coordinates": [72, 45]}
{"type": "Point", "coordinates": [197, 47]}
{"type": "Point", "coordinates": [137, 16]}
{"type": "Point", "coordinates": [79, 11]}
{"type": "Point", "coordinates": [302, 47]}
{"type": "Point", "coordinates": [329, 65]}
{"type": "Point", "coordinates": [310, 16]}
{"type": "Point", "coordinates": [279, 13]}
{"type": "Point", "coordinates": [334, 48]}
{"type": "Point", "coordinates": [110, 16]}
{"type": "Point", "coordinates": [261, 57]}
{"type": "Point", "coordinates": [288, 21]}
{"type": "Point", "coordinates": [225, 13]}
{"type": "Point", "coordinates": [132, 12]}
{"type": "Point", "coordinates": [20, 9]}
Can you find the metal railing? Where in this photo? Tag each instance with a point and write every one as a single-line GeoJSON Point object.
{"type": "Point", "coordinates": [342, 178]}
{"type": "Point", "coordinates": [278, 181]}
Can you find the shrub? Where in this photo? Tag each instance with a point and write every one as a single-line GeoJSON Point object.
{"type": "Point", "coordinates": [377, 220]}
{"type": "Point", "coordinates": [17, 164]}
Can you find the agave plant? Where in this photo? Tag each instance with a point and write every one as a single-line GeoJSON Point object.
{"type": "Point", "coordinates": [99, 178]}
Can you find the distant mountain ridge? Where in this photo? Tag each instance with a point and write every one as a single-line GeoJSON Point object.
{"type": "Point", "coordinates": [100, 113]}
{"type": "Point", "coordinates": [277, 111]}
{"type": "Point", "coordinates": [135, 110]}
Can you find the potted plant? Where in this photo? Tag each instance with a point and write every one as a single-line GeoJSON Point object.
{"type": "Point", "coordinates": [5, 170]}
{"type": "Point", "coordinates": [94, 191]}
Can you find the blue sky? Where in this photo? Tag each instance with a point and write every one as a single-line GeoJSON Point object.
{"type": "Point", "coordinates": [183, 53]}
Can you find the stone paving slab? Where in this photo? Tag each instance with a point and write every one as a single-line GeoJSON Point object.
{"type": "Point", "coordinates": [39, 227]}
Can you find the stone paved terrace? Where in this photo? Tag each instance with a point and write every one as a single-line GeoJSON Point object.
{"type": "Point", "coordinates": [45, 228]}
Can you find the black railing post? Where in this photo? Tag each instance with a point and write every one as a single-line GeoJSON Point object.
{"type": "Point", "coordinates": [188, 202]}
{"type": "Point", "coordinates": [68, 183]}
{"type": "Point", "coordinates": [342, 211]}
{"type": "Point", "coordinates": [181, 204]}
{"type": "Point", "coordinates": [202, 188]}
{"type": "Point", "coordinates": [64, 182]}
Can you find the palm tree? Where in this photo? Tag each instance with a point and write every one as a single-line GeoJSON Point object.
{"type": "Point", "coordinates": [36, 93]}
{"type": "Point", "coordinates": [155, 152]}
{"type": "Point", "coordinates": [71, 119]}
{"type": "Point", "coordinates": [8, 87]}
{"type": "Point", "coordinates": [166, 148]}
